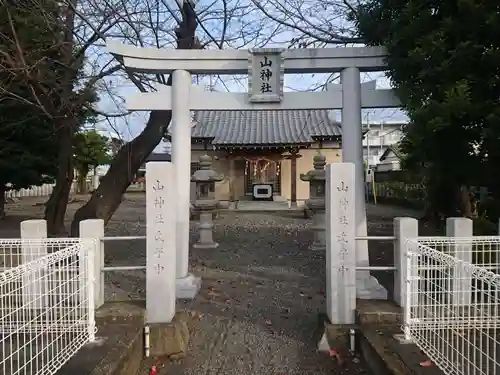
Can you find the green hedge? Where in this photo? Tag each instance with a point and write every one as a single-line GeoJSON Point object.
{"type": "Point", "coordinates": [399, 193]}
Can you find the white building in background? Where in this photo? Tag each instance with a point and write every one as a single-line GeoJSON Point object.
{"type": "Point", "coordinates": [379, 136]}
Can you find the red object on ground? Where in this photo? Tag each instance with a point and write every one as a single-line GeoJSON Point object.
{"type": "Point", "coordinates": [426, 364]}
{"type": "Point", "coordinates": [153, 370]}
{"type": "Point", "coordinates": [336, 354]}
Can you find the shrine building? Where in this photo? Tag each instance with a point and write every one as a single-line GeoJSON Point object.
{"type": "Point", "coordinates": [264, 147]}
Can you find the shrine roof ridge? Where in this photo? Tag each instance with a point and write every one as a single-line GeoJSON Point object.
{"type": "Point", "coordinates": [264, 127]}
{"type": "Point", "coordinates": [235, 61]}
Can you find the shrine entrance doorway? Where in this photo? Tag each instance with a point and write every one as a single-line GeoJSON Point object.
{"type": "Point", "coordinates": [262, 171]}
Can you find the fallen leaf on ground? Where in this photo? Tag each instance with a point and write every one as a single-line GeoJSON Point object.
{"type": "Point", "coordinates": [336, 355]}
{"type": "Point", "coordinates": [426, 364]}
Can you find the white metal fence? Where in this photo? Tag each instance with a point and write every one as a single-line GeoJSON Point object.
{"type": "Point", "coordinates": [35, 191]}
{"type": "Point", "coordinates": [452, 302]}
{"type": "Point", "coordinates": [46, 189]}
{"type": "Point", "coordinates": [138, 186]}
{"type": "Point", "coordinates": [46, 303]}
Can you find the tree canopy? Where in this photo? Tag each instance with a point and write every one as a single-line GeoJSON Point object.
{"type": "Point", "coordinates": [40, 71]}
{"type": "Point", "coordinates": [28, 149]}
{"type": "Point", "coordinates": [28, 152]}
{"type": "Point", "coordinates": [443, 63]}
{"type": "Point", "coordinates": [91, 149]}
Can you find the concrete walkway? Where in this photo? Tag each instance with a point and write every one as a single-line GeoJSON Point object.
{"type": "Point", "coordinates": [262, 293]}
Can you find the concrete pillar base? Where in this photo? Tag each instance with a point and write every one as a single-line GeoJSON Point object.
{"type": "Point", "coordinates": [169, 339]}
{"type": "Point", "coordinates": [187, 287]}
{"type": "Point", "coordinates": [206, 245]}
{"type": "Point", "coordinates": [317, 246]}
{"type": "Point", "coordinates": [368, 287]}
{"type": "Point", "coordinates": [205, 228]}
{"type": "Point", "coordinates": [319, 231]}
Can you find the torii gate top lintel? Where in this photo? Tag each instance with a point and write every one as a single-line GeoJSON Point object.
{"type": "Point", "coordinates": [235, 61]}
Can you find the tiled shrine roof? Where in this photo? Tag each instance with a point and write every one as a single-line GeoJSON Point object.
{"type": "Point", "coordinates": [264, 127]}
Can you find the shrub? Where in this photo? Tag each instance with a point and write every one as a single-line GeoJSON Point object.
{"type": "Point", "coordinates": [484, 227]}
{"type": "Point", "coordinates": [489, 208]}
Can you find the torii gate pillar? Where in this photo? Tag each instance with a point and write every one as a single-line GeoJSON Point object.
{"type": "Point", "coordinates": [187, 285]}
{"type": "Point", "coordinates": [352, 152]}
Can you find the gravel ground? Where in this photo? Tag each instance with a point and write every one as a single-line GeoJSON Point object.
{"type": "Point", "coordinates": [262, 288]}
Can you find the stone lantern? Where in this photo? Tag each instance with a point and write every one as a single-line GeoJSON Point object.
{"type": "Point", "coordinates": [316, 202]}
{"type": "Point", "coordinates": [205, 179]}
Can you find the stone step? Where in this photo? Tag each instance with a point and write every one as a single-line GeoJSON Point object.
{"type": "Point", "coordinates": [380, 327]}
{"type": "Point", "coordinates": [119, 348]}
{"type": "Point", "coordinates": [262, 206]}
{"type": "Point", "coordinates": [368, 313]}
{"type": "Point", "coordinates": [378, 312]}
{"type": "Point", "coordinates": [386, 355]}
{"type": "Point", "coordinates": [377, 331]}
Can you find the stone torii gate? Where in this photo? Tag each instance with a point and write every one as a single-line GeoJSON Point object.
{"type": "Point", "coordinates": [266, 68]}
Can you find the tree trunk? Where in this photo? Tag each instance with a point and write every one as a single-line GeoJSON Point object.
{"type": "Point", "coordinates": [2, 201]}
{"type": "Point", "coordinates": [82, 185]}
{"type": "Point", "coordinates": [82, 180]}
{"type": "Point", "coordinates": [465, 202]}
{"type": "Point", "coordinates": [108, 196]}
{"type": "Point", "coordinates": [55, 209]}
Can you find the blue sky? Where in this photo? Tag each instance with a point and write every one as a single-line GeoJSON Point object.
{"type": "Point", "coordinates": [247, 28]}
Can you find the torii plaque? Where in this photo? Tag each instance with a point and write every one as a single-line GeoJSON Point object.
{"type": "Point", "coordinates": [266, 73]}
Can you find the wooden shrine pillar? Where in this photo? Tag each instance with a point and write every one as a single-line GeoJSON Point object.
{"type": "Point", "coordinates": [231, 178]}
{"type": "Point", "coordinates": [293, 176]}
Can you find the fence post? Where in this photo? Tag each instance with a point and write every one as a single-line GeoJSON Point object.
{"type": "Point", "coordinates": [88, 285]}
{"type": "Point", "coordinates": [461, 282]}
{"type": "Point", "coordinates": [495, 257]}
{"type": "Point", "coordinates": [340, 243]}
{"type": "Point", "coordinates": [94, 229]}
{"type": "Point", "coordinates": [404, 228]}
{"type": "Point", "coordinates": [34, 286]}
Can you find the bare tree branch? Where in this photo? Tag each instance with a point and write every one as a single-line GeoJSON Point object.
{"type": "Point", "coordinates": [314, 23]}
